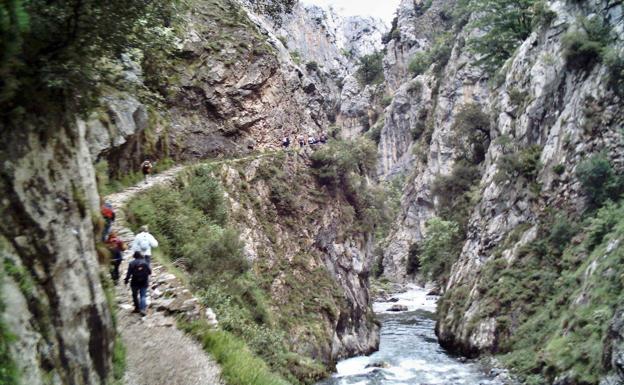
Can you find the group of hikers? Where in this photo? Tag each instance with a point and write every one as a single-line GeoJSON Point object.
{"type": "Point", "coordinates": [139, 268]}
{"type": "Point", "coordinates": [311, 141]}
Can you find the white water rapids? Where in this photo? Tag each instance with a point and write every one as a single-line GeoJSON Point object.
{"type": "Point", "coordinates": [409, 353]}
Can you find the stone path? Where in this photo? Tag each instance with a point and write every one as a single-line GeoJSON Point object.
{"type": "Point", "coordinates": [157, 353]}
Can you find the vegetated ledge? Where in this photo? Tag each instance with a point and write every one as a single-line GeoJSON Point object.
{"type": "Point", "coordinates": [281, 259]}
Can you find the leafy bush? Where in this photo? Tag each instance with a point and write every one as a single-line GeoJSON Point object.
{"type": "Point", "coordinates": [561, 232]}
{"type": "Point", "coordinates": [559, 169]}
{"type": "Point", "coordinates": [386, 101]}
{"type": "Point", "coordinates": [64, 49]}
{"type": "Point", "coordinates": [472, 132]}
{"type": "Point", "coordinates": [439, 248]}
{"type": "Point", "coordinates": [605, 220]}
{"type": "Point", "coordinates": [335, 163]}
{"type": "Point", "coordinates": [296, 57]}
{"type": "Point", "coordinates": [453, 192]}
{"type": "Point", "coordinates": [419, 63]}
{"type": "Point", "coordinates": [599, 180]}
{"type": "Point", "coordinates": [312, 66]}
{"type": "Point", "coordinates": [206, 194]}
{"type": "Point", "coordinates": [370, 70]}
{"type": "Point", "coordinates": [584, 44]}
{"type": "Point", "coordinates": [525, 163]}
{"type": "Point", "coordinates": [412, 265]}
{"type": "Point", "coordinates": [505, 24]}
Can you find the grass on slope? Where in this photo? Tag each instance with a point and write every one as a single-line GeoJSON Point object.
{"type": "Point", "coordinates": [554, 303]}
{"type": "Point", "coordinates": [239, 366]}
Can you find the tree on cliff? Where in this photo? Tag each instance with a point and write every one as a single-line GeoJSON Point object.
{"type": "Point", "coordinates": [504, 25]}
{"type": "Point", "coordinates": [64, 50]}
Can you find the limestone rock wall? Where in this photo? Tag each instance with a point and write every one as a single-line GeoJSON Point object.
{"type": "Point", "coordinates": [55, 305]}
{"type": "Point", "coordinates": [553, 116]}
{"type": "Point", "coordinates": [316, 264]}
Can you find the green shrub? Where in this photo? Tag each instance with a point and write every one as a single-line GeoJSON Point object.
{"type": "Point", "coordinates": [605, 220]}
{"type": "Point", "coordinates": [561, 232]}
{"type": "Point", "coordinates": [505, 25]}
{"type": "Point", "coordinates": [215, 253]}
{"type": "Point", "coordinates": [370, 70]}
{"type": "Point", "coordinates": [374, 133]}
{"type": "Point", "coordinates": [386, 101]}
{"type": "Point", "coordinates": [312, 66]}
{"type": "Point", "coordinates": [206, 194]}
{"type": "Point", "coordinates": [524, 163]}
{"type": "Point", "coordinates": [335, 163]}
{"type": "Point", "coordinates": [439, 248]}
{"type": "Point", "coordinates": [472, 132]}
{"type": "Point", "coordinates": [419, 63]}
{"type": "Point", "coordinates": [453, 192]}
{"type": "Point", "coordinates": [412, 265]}
{"type": "Point", "coordinates": [584, 44]}
{"type": "Point", "coordinates": [559, 169]}
{"type": "Point", "coordinates": [599, 180]}
{"type": "Point", "coordinates": [296, 57]}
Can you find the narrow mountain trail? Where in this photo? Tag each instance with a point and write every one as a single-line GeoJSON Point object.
{"type": "Point", "coordinates": [157, 353]}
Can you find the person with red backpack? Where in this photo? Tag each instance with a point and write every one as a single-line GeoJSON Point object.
{"type": "Point", "coordinates": [138, 275]}
{"type": "Point", "coordinates": [116, 247]}
{"type": "Point", "coordinates": [109, 217]}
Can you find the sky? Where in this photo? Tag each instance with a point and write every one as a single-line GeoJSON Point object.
{"type": "Point", "coordinates": [379, 8]}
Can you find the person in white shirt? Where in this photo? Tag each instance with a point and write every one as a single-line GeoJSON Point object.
{"type": "Point", "coordinates": [144, 242]}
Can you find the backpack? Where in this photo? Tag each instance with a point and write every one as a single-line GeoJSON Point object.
{"type": "Point", "coordinates": [141, 272]}
{"type": "Point", "coordinates": [107, 212]}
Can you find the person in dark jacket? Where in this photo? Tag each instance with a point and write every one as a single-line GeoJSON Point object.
{"type": "Point", "coordinates": [138, 275]}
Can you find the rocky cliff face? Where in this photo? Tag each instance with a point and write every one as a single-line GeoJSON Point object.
{"type": "Point", "coordinates": [53, 301]}
{"type": "Point", "coordinates": [303, 242]}
{"type": "Point", "coordinates": [544, 105]}
{"type": "Point", "coordinates": [418, 134]}
{"type": "Point", "coordinates": [552, 114]}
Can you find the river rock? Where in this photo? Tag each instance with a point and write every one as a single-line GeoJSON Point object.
{"type": "Point", "coordinates": [378, 364]}
{"type": "Point", "coordinates": [397, 308]}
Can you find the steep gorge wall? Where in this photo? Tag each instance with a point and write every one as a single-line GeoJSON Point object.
{"type": "Point", "coordinates": [306, 244]}
{"type": "Point", "coordinates": [55, 320]}
{"type": "Point", "coordinates": [553, 115]}
{"type": "Point", "coordinates": [565, 113]}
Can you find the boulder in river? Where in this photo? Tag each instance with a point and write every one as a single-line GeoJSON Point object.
{"type": "Point", "coordinates": [378, 364]}
{"type": "Point", "coordinates": [397, 308]}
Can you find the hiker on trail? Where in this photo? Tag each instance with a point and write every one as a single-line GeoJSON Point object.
{"type": "Point", "coordinates": [301, 141]}
{"type": "Point", "coordinates": [311, 141]}
{"type": "Point", "coordinates": [323, 139]}
{"type": "Point", "coordinates": [143, 243]}
{"type": "Point", "coordinates": [146, 169]}
{"type": "Point", "coordinates": [116, 247]}
{"type": "Point", "coordinates": [138, 275]}
{"type": "Point", "coordinates": [285, 142]}
{"type": "Point", "coordinates": [109, 217]}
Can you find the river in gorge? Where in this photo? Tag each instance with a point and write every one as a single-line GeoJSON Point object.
{"type": "Point", "coordinates": [409, 351]}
